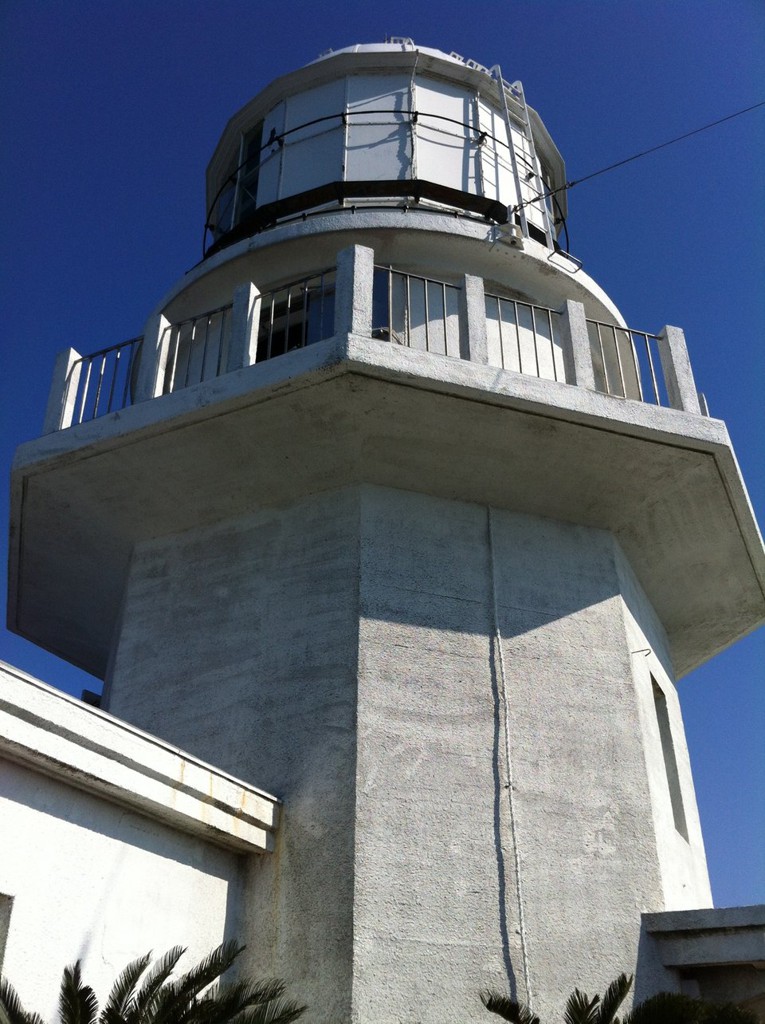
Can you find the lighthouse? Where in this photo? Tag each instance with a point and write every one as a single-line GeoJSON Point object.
{"type": "Point", "coordinates": [391, 515]}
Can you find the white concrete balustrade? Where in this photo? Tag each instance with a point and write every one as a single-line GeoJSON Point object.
{"type": "Point", "coordinates": [453, 319]}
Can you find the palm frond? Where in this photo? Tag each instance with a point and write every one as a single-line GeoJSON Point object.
{"type": "Point", "coordinates": [729, 1013]}
{"type": "Point", "coordinates": [142, 1004]}
{"type": "Point", "coordinates": [77, 1002]}
{"type": "Point", "coordinates": [177, 1003]}
{"type": "Point", "coordinates": [206, 971]}
{"type": "Point", "coordinates": [667, 1008]}
{"type": "Point", "coordinates": [677, 1008]}
{"type": "Point", "coordinates": [11, 1010]}
{"type": "Point", "coordinates": [228, 1001]}
{"type": "Point", "coordinates": [163, 1000]}
{"type": "Point", "coordinates": [507, 1008]}
{"type": "Point", "coordinates": [614, 996]}
{"type": "Point", "coordinates": [274, 1011]}
{"type": "Point", "coordinates": [117, 1007]}
{"type": "Point", "coordinates": [580, 1009]}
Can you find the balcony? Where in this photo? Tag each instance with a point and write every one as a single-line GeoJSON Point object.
{"type": "Point", "coordinates": [371, 376]}
{"type": "Point", "coordinates": [453, 320]}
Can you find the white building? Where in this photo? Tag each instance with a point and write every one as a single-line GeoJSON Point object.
{"type": "Point", "coordinates": [390, 514]}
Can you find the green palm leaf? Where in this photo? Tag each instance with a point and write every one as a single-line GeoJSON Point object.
{"type": "Point", "coordinates": [508, 1009]}
{"type": "Point", "coordinates": [615, 995]}
{"type": "Point", "coordinates": [143, 1003]}
{"type": "Point", "coordinates": [118, 1003]}
{"type": "Point", "coordinates": [11, 1010]}
{"type": "Point", "coordinates": [277, 1011]}
{"type": "Point", "coordinates": [248, 1003]}
{"type": "Point", "coordinates": [206, 971]}
{"type": "Point", "coordinates": [77, 1002]}
{"type": "Point", "coordinates": [580, 1009]}
{"type": "Point", "coordinates": [160, 1000]}
{"type": "Point", "coordinates": [177, 1002]}
{"type": "Point", "coordinates": [221, 1006]}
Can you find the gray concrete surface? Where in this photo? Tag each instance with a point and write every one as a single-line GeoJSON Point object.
{"type": "Point", "coordinates": [241, 639]}
{"type": "Point", "coordinates": [339, 649]}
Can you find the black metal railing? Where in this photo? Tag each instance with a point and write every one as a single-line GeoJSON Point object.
{"type": "Point", "coordinates": [418, 312]}
{"type": "Point", "coordinates": [626, 363]}
{"type": "Point", "coordinates": [296, 314]}
{"type": "Point", "coordinates": [524, 338]}
{"type": "Point", "coordinates": [104, 381]}
{"type": "Point", "coordinates": [235, 203]}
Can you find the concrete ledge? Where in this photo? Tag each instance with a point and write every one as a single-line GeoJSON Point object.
{"type": "Point", "coordinates": [713, 937]}
{"type": "Point", "coordinates": [341, 354]}
{"type": "Point", "coordinates": [84, 747]}
{"type": "Point", "coordinates": [663, 481]}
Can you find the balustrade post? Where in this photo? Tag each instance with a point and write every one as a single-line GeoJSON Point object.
{"type": "Point", "coordinates": [62, 396]}
{"type": "Point", "coordinates": [353, 290]}
{"type": "Point", "coordinates": [474, 343]}
{"type": "Point", "coordinates": [678, 375]}
{"type": "Point", "coordinates": [245, 320]}
{"type": "Point", "coordinates": [577, 354]}
{"type": "Point", "coordinates": [151, 369]}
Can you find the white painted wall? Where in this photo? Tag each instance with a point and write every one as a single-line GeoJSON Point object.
{"type": "Point", "coordinates": [97, 882]}
{"type": "Point", "coordinates": [682, 860]}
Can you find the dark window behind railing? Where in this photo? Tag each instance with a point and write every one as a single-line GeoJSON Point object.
{"type": "Point", "coordinates": [105, 380]}
{"type": "Point", "coordinates": [626, 363]}
{"type": "Point", "coordinates": [197, 348]}
{"type": "Point", "coordinates": [524, 338]}
{"type": "Point", "coordinates": [416, 311]}
{"type": "Point", "coordinates": [296, 315]}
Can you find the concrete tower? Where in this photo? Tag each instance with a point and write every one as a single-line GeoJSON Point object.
{"type": "Point", "coordinates": [390, 514]}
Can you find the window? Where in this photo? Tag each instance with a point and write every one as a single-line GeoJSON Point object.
{"type": "Point", "coordinates": [670, 761]}
{"type": "Point", "coordinates": [249, 172]}
{"type": "Point", "coordinates": [6, 904]}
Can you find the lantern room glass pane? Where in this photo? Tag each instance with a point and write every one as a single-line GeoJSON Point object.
{"type": "Point", "coordinates": [446, 137]}
{"type": "Point", "coordinates": [379, 143]}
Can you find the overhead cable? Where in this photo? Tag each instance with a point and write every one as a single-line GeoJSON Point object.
{"type": "Point", "coordinates": [637, 156]}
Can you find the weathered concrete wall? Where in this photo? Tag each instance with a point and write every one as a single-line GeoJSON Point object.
{"type": "Point", "coordinates": [94, 881]}
{"type": "Point", "coordinates": [434, 877]}
{"type": "Point", "coordinates": [340, 652]}
{"type": "Point", "coordinates": [238, 643]}
{"type": "Point", "coordinates": [436, 892]}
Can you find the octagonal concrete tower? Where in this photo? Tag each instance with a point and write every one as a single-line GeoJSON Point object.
{"type": "Point", "coordinates": [390, 514]}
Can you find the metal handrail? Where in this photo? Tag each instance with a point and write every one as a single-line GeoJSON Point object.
{"type": "Point", "coordinates": [185, 331]}
{"type": "Point", "coordinates": [111, 375]}
{"type": "Point", "coordinates": [549, 338]}
{"type": "Point", "coordinates": [278, 139]}
{"type": "Point", "coordinates": [287, 321]}
{"type": "Point", "coordinates": [435, 323]}
{"type": "Point", "coordinates": [622, 372]}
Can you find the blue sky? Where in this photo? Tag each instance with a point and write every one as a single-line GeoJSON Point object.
{"type": "Point", "coordinates": [110, 110]}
